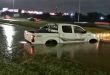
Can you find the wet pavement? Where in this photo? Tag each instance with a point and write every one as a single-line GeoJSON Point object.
{"type": "Point", "coordinates": [10, 36]}
{"type": "Point", "coordinates": [14, 49]}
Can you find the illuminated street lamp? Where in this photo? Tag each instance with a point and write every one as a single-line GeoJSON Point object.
{"type": "Point", "coordinates": [13, 3]}
{"type": "Point", "coordinates": [101, 18]}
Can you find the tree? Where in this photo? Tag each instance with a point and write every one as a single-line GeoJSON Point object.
{"type": "Point", "coordinates": [94, 16]}
{"type": "Point", "coordinates": [108, 17]}
{"type": "Point", "coordinates": [6, 13]}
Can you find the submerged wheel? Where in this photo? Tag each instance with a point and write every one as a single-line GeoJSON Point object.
{"type": "Point", "coordinates": [51, 43]}
{"type": "Point", "coordinates": [93, 41]}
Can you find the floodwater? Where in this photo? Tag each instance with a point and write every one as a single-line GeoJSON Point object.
{"type": "Point", "coordinates": [14, 49]}
{"type": "Point", "coordinates": [10, 36]}
{"type": "Point", "coordinates": [95, 55]}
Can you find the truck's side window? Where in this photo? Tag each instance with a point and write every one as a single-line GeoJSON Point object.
{"type": "Point", "coordinates": [78, 29]}
{"type": "Point", "coordinates": [67, 29]}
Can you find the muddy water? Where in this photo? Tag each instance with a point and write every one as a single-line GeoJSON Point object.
{"type": "Point", "coordinates": [10, 36]}
{"type": "Point", "coordinates": [93, 55]}
{"type": "Point", "coordinates": [12, 50]}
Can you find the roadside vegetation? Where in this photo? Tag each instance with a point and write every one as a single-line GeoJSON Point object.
{"type": "Point", "coordinates": [25, 23]}
{"type": "Point", "coordinates": [89, 27]}
{"type": "Point", "coordinates": [96, 30]}
{"type": "Point", "coordinates": [47, 65]}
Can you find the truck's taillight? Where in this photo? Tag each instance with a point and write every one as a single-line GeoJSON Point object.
{"type": "Point", "coordinates": [32, 38]}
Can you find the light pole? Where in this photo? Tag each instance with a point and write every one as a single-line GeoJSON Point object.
{"type": "Point", "coordinates": [79, 8]}
{"type": "Point", "coordinates": [13, 3]}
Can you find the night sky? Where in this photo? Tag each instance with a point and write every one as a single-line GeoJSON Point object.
{"type": "Point", "coordinates": [102, 6]}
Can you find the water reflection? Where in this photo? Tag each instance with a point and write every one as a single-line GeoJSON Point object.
{"type": "Point", "coordinates": [104, 36]}
{"type": "Point", "coordinates": [60, 50]}
{"type": "Point", "coordinates": [10, 35]}
{"type": "Point", "coordinates": [8, 32]}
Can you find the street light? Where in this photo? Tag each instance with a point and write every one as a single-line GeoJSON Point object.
{"type": "Point", "coordinates": [101, 18]}
{"type": "Point", "coordinates": [13, 3]}
{"type": "Point", "coordinates": [79, 8]}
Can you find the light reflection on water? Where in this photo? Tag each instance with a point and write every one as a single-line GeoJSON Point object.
{"type": "Point", "coordinates": [104, 36]}
{"type": "Point", "coordinates": [93, 55]}
{"type": "Point", "coordinates": [8, 32]}
{"type": "Point", "coordinates": [70, 49]}
{"type": "Point", "coordinates": [10, 35]}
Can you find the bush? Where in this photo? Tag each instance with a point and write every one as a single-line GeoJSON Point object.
{"type": "Point", "coordinates": [26, 23]}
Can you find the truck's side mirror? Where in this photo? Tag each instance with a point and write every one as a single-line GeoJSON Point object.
{"type": "Point", "coordinates": [84, 31]}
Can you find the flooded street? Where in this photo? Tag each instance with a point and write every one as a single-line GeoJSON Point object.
{"type": "Point", "coordinates": [10, 36]}
{"type": "Point", "coordinates": [12, 49]}
{"type": "Point", "coordinates": [93, 55]}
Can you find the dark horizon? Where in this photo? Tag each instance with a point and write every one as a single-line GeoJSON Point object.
{"type": "Point", "coordinates": [100, 6]}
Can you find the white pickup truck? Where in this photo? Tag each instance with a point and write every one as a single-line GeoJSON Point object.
{"type": "Point", "coordinates": [60, 33]}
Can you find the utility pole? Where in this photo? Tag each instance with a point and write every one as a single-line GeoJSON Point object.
{"type": "Point", "coordinates": [13, 5]}
{"type": "Point", "coordinates": [79, 10]}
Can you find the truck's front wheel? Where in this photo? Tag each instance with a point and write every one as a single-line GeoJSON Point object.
{"type": "Point", "coordinates": [93, 41]}
{"type": "Point", "coordinates": [51, 43]}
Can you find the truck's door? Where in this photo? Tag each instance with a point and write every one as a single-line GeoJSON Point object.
{"type": "Point", "coordinates": [79, 33]}
{"type": "Point", "coordinates": [67, 33]}
{"type": "Point", "coordinates": [72, 33]}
